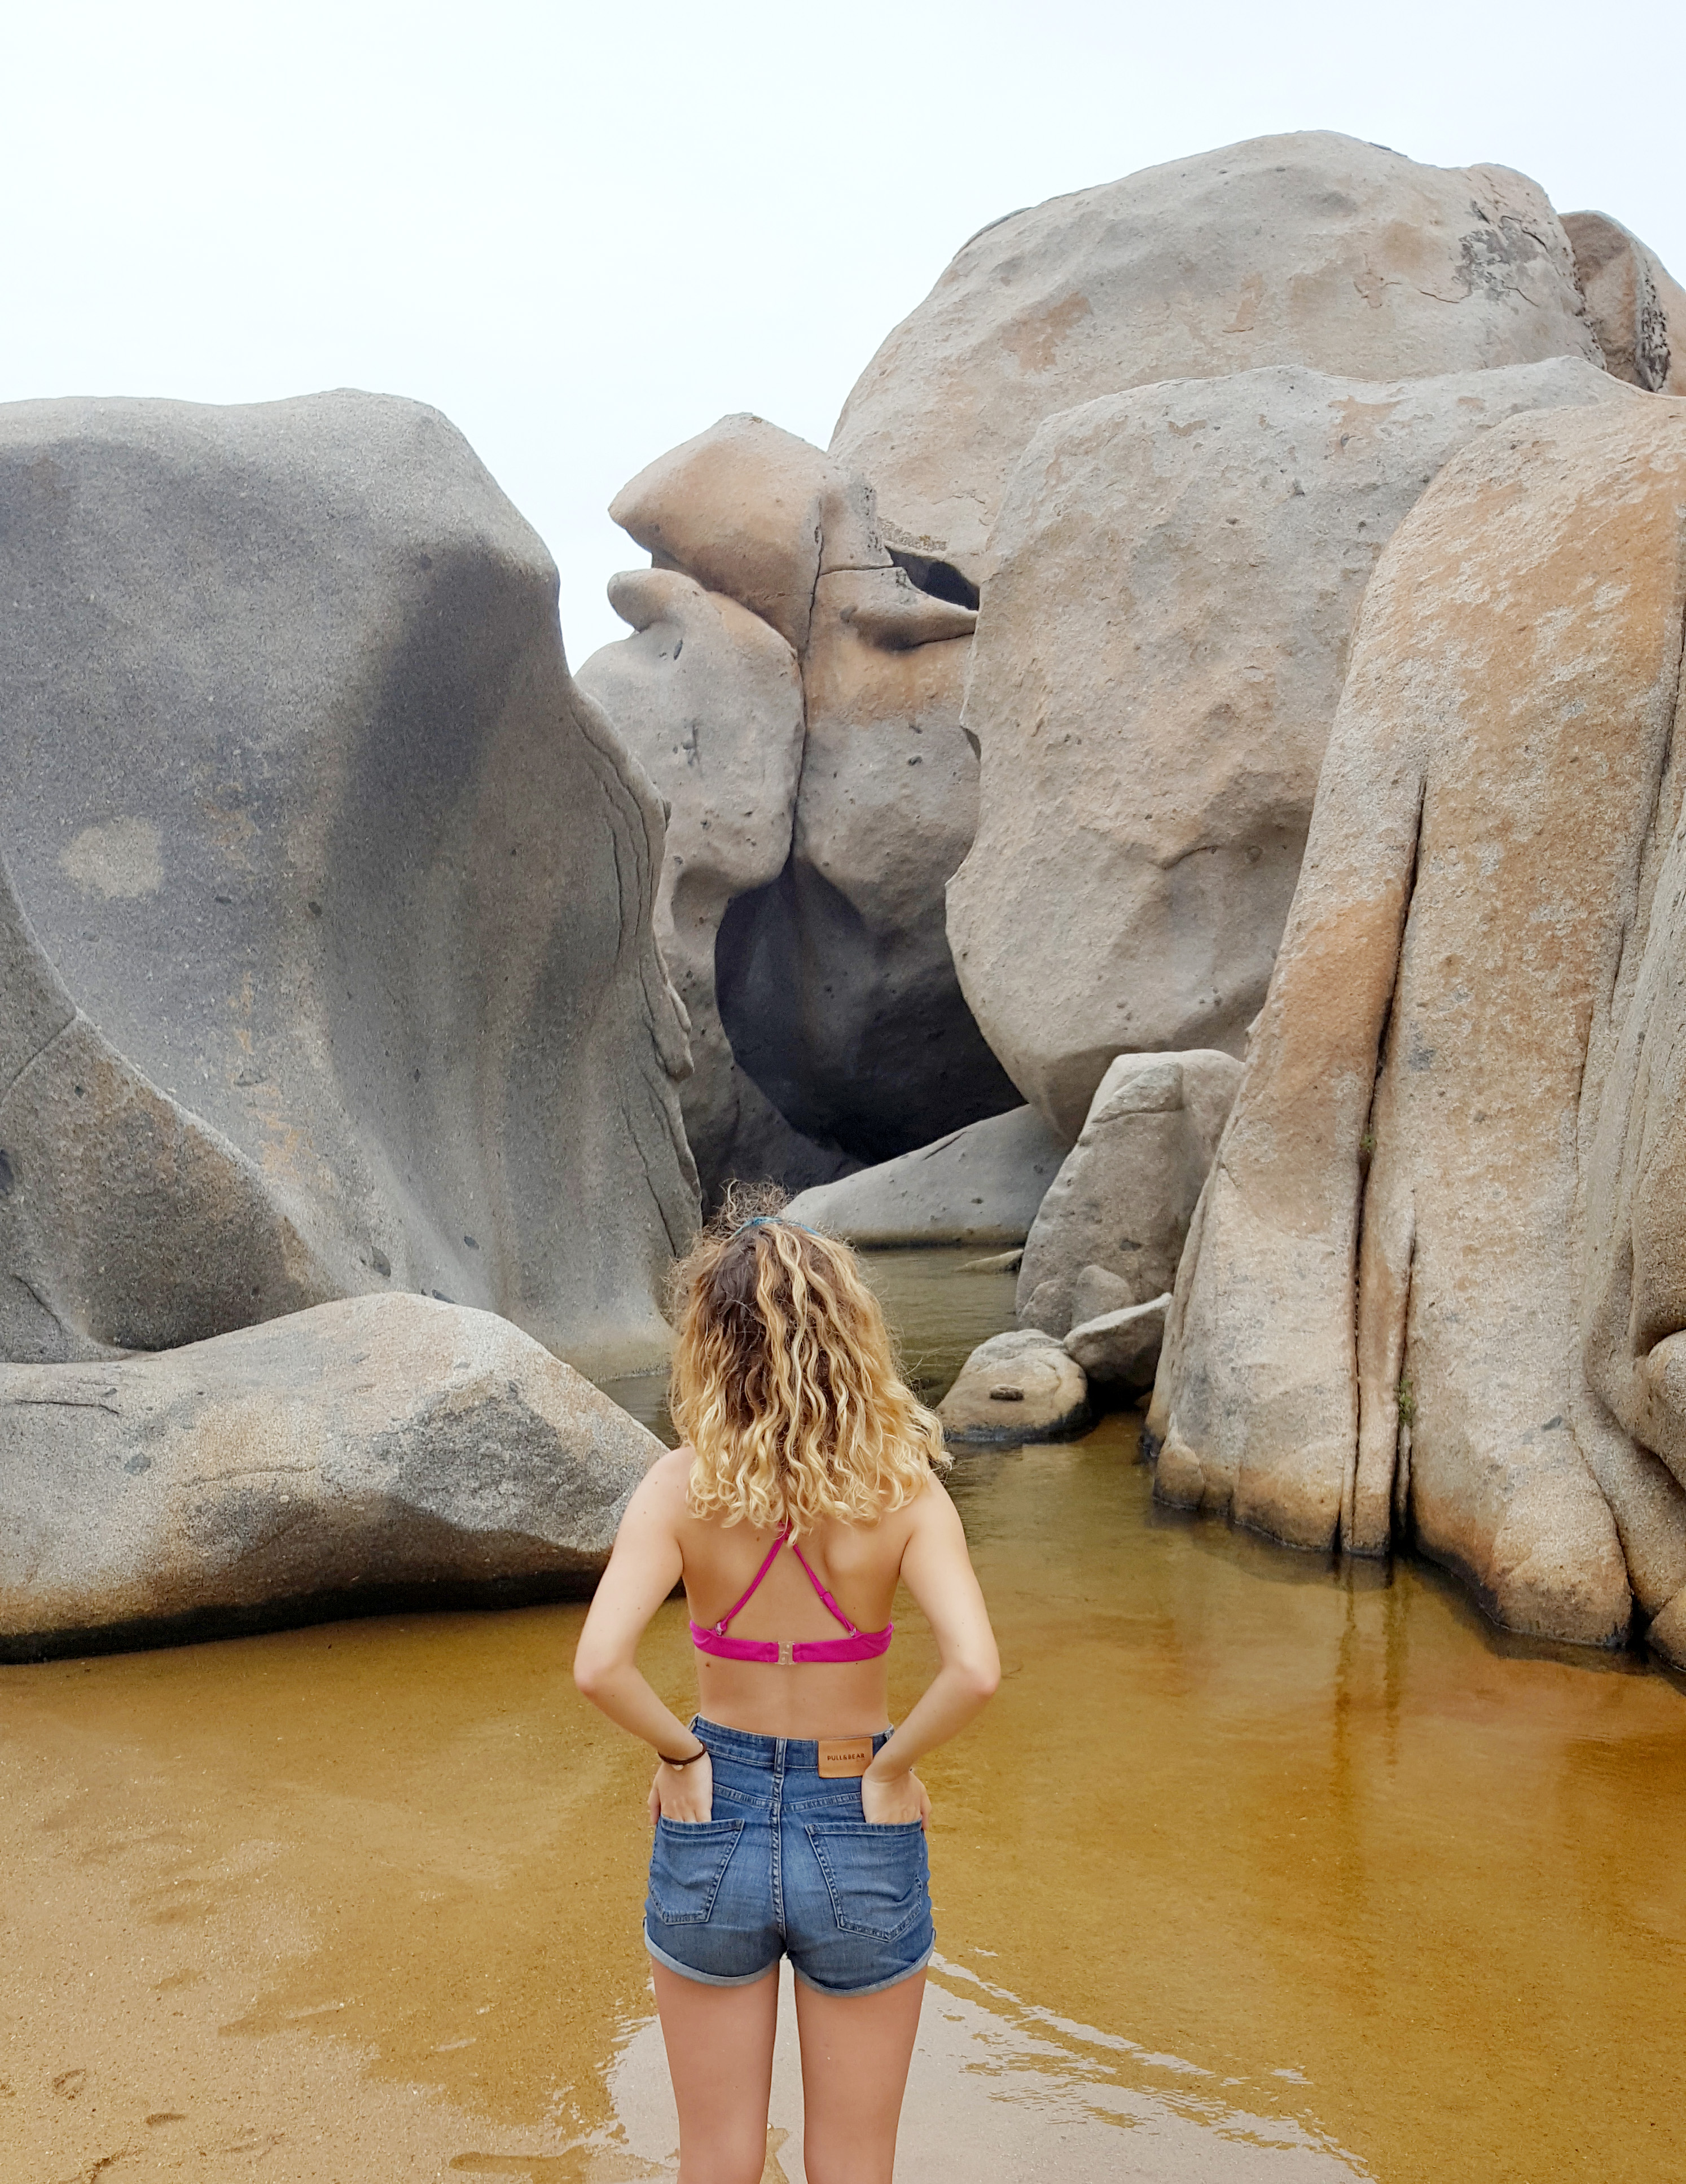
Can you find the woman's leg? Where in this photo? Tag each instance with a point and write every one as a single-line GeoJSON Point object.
{"type": "Point", "coordinates": [720, 2053]}
{"type": "Point", "coordinates": [856, 2050]}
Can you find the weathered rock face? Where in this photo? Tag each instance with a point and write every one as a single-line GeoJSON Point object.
{"type": "Point", "coordinates": [708, 698]}
{"type": "Point", "coordinates": [326, 962]}
{"type": "Point", "coordinates": [1376, 1332]}
{"type": "Point", "coordinates": [1123, 1200]}
{"type": "Point", "coordinates": [1160, 657]}
{"type": "Point", "coordinates": [1310, 248]}
{"type": "Point", "coordinates": [1637, 311]}
{"type": "Point", "coordinates": [831, 978]}
{"type": "Point", "coordinates": [1016, 1387]}
{"type": "Point", "coordinates": [343, 1458]}
{"type": "Point", "coordinates": [979, 1185]}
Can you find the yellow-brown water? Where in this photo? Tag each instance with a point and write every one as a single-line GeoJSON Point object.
{"type": "Point", "coordinates": [1255, 1869]}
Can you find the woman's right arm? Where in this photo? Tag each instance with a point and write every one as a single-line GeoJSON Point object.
{"type": "Point", "coordinates": [939, 1573]}
{"type": "Point", "coordinates": [643, 1570]}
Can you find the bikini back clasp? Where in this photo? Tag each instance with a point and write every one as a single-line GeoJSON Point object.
{"type": "Point", "coordinates": [859, 1645]}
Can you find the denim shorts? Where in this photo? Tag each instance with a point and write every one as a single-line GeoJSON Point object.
{"type": "Point", "coordinates": [789, 1866]}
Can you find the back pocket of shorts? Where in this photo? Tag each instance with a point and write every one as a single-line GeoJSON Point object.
{"type": "Point", "coordinates": [687, 1866]}
{"type": "Point", "coordinates": [878, 1877]}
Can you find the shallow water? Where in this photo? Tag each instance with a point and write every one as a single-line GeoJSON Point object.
{"type": "Point", "coordinates": [1255, 1870]}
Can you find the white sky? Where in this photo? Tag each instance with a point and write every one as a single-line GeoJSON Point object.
{"type": "Point", "coordinates": [586, 232]}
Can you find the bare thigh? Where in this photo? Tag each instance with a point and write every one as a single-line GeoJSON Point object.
{"type": "Point", "coordinates": [856, 2050]}
{"type": "Point", "coordinates": [719, 2054]}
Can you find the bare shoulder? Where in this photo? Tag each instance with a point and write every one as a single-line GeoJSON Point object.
{"type": "Point", "coordinates": [662, 1491]}
{"type": "Point", "coordinates": [931, 1511]}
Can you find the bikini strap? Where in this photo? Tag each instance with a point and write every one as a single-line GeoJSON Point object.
{"type": "Point", "coordinates": [772, 1555]}
{"type": "Point", "coordinates": [852, 1629]}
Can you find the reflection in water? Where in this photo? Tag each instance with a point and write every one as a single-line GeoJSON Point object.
{"type": "Point", "coordinates": [999, 2089]}
{"type": "Point", "coordinates": [1258, 1868]}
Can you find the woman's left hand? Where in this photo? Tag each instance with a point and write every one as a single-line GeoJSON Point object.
{"type": "Point", "coordinates": [683, 1793]}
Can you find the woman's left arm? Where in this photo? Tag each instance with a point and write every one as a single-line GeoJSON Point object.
{"type": "Point", "coordinates": [643, 1570]}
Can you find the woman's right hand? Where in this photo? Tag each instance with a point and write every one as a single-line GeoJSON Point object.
{"type": "Point", "coordinates": [683, 1793]}
{"type": "Point", "coordinates": [891, 1801]}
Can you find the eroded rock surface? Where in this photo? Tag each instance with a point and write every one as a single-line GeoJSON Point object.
{"type": "Point", "coordinates": [979, 1185]}
{"type": "Point", "coordinates": [831, 977]}
{"type": "Point", "coordinates": [1637, 309]}
{"type": "Point", "coordinates": [1439, 1301]}
{"type": "Point", "coordinates": [709, 697]}
{"type": "Point", "coordinates": [1309, 248]}
{"type": "Point", "coordinates": [1118, 1211]}
{"type": "Point", "coordinates": [1158, 659]}
{"type": "Point", "coordinates": [326, 958]}
{"type": "Point", "coordinates": [379, 1451]}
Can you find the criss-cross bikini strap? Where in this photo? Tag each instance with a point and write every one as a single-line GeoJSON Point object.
{"type": "Point", "coordinates": [772, 1556]}
{"type": "Point", "coordinates": [851, 1628]}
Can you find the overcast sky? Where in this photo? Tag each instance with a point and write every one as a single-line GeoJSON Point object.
{"type": "Point", "coordinates": [586, 232]}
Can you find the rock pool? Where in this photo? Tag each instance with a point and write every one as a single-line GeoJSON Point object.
{"type": "Point", "coordinates": [1257, 1868]}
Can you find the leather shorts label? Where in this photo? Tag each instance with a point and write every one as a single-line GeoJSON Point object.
{"type": "Point", "coordinates": [844, 1755]}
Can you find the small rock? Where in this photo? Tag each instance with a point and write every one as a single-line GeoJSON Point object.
{"type": "Point", "coordinates": [1110, 1230]}
{"type": "Point", "coordinates": [979, 1185]}
{"type": "Point", "coordinates": [1122, 1346]}
{"type": "Point", "coordinates": [1045, 1399]}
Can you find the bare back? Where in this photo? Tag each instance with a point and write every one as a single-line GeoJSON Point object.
{"type": "Point", "coordinates": [859, 1564]}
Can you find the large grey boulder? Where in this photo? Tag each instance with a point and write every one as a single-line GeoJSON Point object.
{"type": "Point", "coordinates": [362, 1455]}
{"type": "Point", "coordinates": [1435, 1289]}
{"type": "Point", "coordinates": [828, 973]}
{"type": "Point", "coordinates": [1015, 1387]}
{"type": "Point", "coordinates": [979, 1185]}
{"type": "Point", "coordinates": [1121, 1203]}
{"type": "Point", "coordinates": [326, 962]}
{"type": "Point", "coordinates": [1160, 657]}
{"type": "Point", "coordinates": [1309, 248]}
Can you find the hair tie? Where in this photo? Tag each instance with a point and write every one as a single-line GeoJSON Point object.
{"type": "Point", "coordinates": [764, 1220]}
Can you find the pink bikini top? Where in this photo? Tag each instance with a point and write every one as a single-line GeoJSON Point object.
{"type": "Point", "coordinates": [859, 1645]}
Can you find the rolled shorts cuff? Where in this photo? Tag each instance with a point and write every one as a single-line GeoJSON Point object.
{"type": "Point", "coordinates": [707, 1979]}
{"type": "Point", "coordinates": [879, 1986]}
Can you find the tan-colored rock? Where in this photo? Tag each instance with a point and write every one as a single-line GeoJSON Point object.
{"type": "Point", "coordinates": [831, 978]}
{"type": "Point", "coordinates": [1122, 1345]}
{"type": "Point", "coordinates": [1158, 659]}
{"type": "Point", "coordinates": [1015, 1387]}
{"type": "Point", "coordinates": [1378, 1330]}
{"type": "Point", "coordinates": [382, 1451]}
{"type": "Point", "coordinates": [885, 1047]}
{"type": "Point", "coordinates": [326, 959]}
{"type": "Point", "coordinates": [708, 697]}
{"type": "Point", "coordinates": [979, 1185]}
{"type": "Point", "coordinates": [1310, 248]}
{"type": "Point", "coordinates": [1638, 310]}
{"type": "Point", "coordinates": [752, 511]}
{"type": "Point", "coordinates": [1121, 1202]}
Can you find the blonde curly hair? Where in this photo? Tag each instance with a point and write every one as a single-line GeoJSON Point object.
{"type": "Point", "coordinates": [785, 1380]}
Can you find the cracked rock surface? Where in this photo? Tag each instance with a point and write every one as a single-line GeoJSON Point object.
{"type": "Point", "coordinates": [843, 1035]}
{"type": "Point", "coordinates": [1309, 249]}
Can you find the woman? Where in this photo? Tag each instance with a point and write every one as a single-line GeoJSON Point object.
{"type": "Point", "coordinates": [788, 1819]}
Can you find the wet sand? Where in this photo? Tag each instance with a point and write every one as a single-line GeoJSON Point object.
{"type": "Point", "coordinates": [1255, 1870]}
